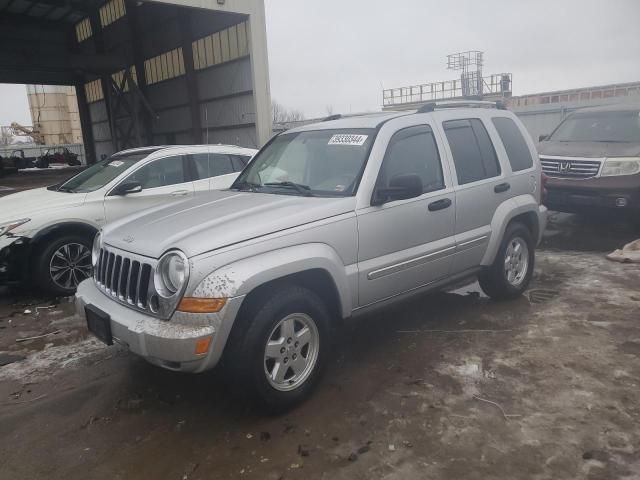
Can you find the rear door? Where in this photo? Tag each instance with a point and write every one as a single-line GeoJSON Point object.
{"type": "Point", "coordinates": [163, 180]}
{"type": "Point", "coordinates": [406, 244]}
{"type": "Point", "coordinates": [481, 187]}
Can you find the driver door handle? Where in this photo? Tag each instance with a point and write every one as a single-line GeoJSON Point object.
{"type": "Point", "coordinates": [440, 204]}
{"type": "Point", "coordinates": [180, 193]}
{"type": "Point", "coordinates": [501, 187]}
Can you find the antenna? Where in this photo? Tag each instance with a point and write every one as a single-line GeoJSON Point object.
{"type": "Point", "coordinates": [471, 79]}
{"type": "Point", "coordinates": [206, 120]}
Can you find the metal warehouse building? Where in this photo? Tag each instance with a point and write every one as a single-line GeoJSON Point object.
{"type": "Point", "coordinates": [146, 72]}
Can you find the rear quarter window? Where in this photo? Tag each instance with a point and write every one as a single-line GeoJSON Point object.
{"type": "Point", "coordinates": [473, 154]}
{"type": "Point", "coordinates": [514, 143]}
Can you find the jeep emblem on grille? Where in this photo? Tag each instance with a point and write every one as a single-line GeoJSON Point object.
{"type": "Point", "coordinates": [128, 239]}
{"type": "Point", "coordinates": [564, 167]}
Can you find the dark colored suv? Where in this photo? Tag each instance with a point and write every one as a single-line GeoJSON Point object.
{"type": "Point", "coordinates": [592, 160]}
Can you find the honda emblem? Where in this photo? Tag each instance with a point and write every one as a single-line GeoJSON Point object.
{"type": "Point", "coordinates": [564, 167]}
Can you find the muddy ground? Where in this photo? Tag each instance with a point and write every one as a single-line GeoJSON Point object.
{"type": "Point", "coordinates": [446, 386]}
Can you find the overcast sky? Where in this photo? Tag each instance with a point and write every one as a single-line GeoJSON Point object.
{"type": "Point", "coordinates": [341, 53]}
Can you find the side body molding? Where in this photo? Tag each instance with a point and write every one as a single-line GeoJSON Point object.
{"type": "Point", "coordinates": [504, 214]}
{"type": "Point", "coordinates": [240, 278]}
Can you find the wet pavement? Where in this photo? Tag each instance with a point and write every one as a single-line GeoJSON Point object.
{"type": "Point", "coordinates": [448, 386]}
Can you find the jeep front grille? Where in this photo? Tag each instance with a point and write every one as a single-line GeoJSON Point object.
{"type": "Point", "coordinates": [570, 167]}
{"type": "Point", "coordinates": [124, 278]}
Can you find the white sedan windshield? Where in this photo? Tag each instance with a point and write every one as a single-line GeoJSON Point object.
{"type": "Point", "coordinates": [98, 175]}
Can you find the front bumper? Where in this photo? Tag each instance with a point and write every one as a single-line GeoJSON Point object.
{"type": "Point", "coordinates": [569, 195]}
{"type": "Point", "coordinates": [14, 254]}
{"type": "Point", "coordinates": [168, 344]}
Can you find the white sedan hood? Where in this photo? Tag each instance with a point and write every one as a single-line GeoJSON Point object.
{"type": "Point", "coordinates": [36, 202]}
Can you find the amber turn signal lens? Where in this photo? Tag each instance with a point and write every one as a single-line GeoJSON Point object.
{"type": "Point", "coordinates": [201, 305]}
{"type": "Point", "coordinates": [202, 345]}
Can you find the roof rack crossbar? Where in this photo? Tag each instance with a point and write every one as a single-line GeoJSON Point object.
{"type": "Point", "coordinates": [431, 106]}
{"type": "Point", "coordinates": [337, 116]}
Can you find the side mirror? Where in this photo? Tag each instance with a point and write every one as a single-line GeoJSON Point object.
{"type": "Point", "coordinates": [542, 138]}
{"type": "Point", "coordinates": [401, 187]}
{"type": "Point", "coordinates": [128, 187]}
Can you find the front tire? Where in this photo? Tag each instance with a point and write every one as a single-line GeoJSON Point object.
{"type": "Point", "coordinates": [63, 263]}
{"type": "Point", "coordinates": [512, 269]}
{"type": "Point", "coordinates": [281, 347]}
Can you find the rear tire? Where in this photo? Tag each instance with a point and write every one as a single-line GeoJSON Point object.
{"type": "Point", "coordinates": [281, 346]}
{"type": "Point", "coordinates": [63, 263]}
{"type": "Point", "coordinates": [512, 269]}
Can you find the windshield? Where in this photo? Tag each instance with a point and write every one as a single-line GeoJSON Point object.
{"type": "Point", "coordinates": [616, 127]}
{"type": "Point", "coordinates": [98, 175]}
{"type": "Point", "coordinates": [321, 162]}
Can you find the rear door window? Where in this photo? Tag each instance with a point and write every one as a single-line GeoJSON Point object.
{"type": "Point", "coordinates": [239, 162]}
{"type": "Point", "coordinates": [212, 165]}
{"type": "Point", "coordinates": [473, 153]}
{"type": "Point", "coordinates": [514, 143]}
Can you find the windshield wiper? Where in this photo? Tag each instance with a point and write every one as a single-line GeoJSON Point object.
{"type": "Point", "coordinates": [243, 186]}
{"type": "Point", "coordinates": [62, 188]}
{"type": "Point", "coordinates": [302, 189]}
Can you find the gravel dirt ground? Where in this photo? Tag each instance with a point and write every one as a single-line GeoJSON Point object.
{"type": "Point", "coordinates": [445, 386]}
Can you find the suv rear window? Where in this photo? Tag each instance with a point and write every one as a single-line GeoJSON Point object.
{"type": "Point", "coordinates": [473, 153]}
{"type": "Point", "coordinates": [514, 143]}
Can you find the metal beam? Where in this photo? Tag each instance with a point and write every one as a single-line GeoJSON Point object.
{"type": "Point", "coordinates": [40, 77]}
{"type": "Point", "coordinates": [190, 74]}
{"type": "Point", "coordinates": [47, 61]}
{"type": "Point", "coordinates": [85, 123]}
{"type": "Point", "coordinates": [145, 115]}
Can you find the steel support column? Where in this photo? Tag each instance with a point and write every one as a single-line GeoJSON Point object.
{"type": "Point", "coordinates": [85, 124]}
{"type": "Point", "coordinates": [190, 73]}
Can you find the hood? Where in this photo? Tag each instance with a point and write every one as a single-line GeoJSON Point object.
{"type": "Point", "coordinates": [37, 201]}
{"type": "Point", "coordinates": [589, 149]}
{"type": "Point", "coordinates": [217, 220]}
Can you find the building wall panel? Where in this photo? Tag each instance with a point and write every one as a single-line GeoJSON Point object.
{"type": "Point", "coordinates": [244, 136]}
{"type": "Point", "coordinates": [173, 121]}
{"type": "Point", "coordinates": [228, 112]}
{"type": "Point", "coordinates": [226, 79]}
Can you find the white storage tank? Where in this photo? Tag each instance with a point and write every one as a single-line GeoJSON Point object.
{"type": "Point", "coordinates": [54, 113]}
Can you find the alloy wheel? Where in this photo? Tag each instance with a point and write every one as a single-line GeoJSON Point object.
{"type": "Point", "coordinates": [516, 261]}
{"type": "Point", "coordinates": [291, 352]}
{"type": "Point", "coordinates": [70, 264]}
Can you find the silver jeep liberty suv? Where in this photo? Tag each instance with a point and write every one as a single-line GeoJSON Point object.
{"type": "Point", "coordinates": [329, 221]}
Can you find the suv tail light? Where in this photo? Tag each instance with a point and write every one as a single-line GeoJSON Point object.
{"type": "Point", "coordinates": [543, 187]}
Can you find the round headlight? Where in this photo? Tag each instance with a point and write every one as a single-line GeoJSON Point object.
{"type": "Point", "coordinates": [95, 251]}
{"type": "Point", "coordinates": [171, 274]}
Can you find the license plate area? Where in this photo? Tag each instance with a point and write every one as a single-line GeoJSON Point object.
{"type": "Point", "coordinates": [99, 324]}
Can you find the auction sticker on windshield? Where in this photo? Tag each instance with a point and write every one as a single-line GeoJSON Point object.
{"type": "Point", "coordinates": [116, 163]}
{"type": "Point", "coordinates": [348, 139]}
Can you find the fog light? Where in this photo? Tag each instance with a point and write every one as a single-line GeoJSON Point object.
{"type": "Point", "coordinates": [621, 202]}
{"type": "Point", "coordinates": [202, 345]}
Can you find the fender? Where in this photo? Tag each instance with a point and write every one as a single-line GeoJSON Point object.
{"type": "Point", "coordinates": [506, 212]}
{"type": "Point", "coordinates": [241, 277]}
{"type": "Point", "coordinates": [66, 224]}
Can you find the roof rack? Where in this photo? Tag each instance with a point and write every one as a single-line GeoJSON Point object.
{"type": "Point", "coordinates": [432, 106]}
{"type": "Point", "coordinates": [337, 116]}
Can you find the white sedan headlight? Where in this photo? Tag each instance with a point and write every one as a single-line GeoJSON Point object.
{"type": "Point", "coordinates": [171, 273]}
{"type": "Point", "coordinates": [95, 251]}
{"type": "Point", "coordinates": [620, 166]}
{"type": "Point", "coordinates": [8, 226]}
